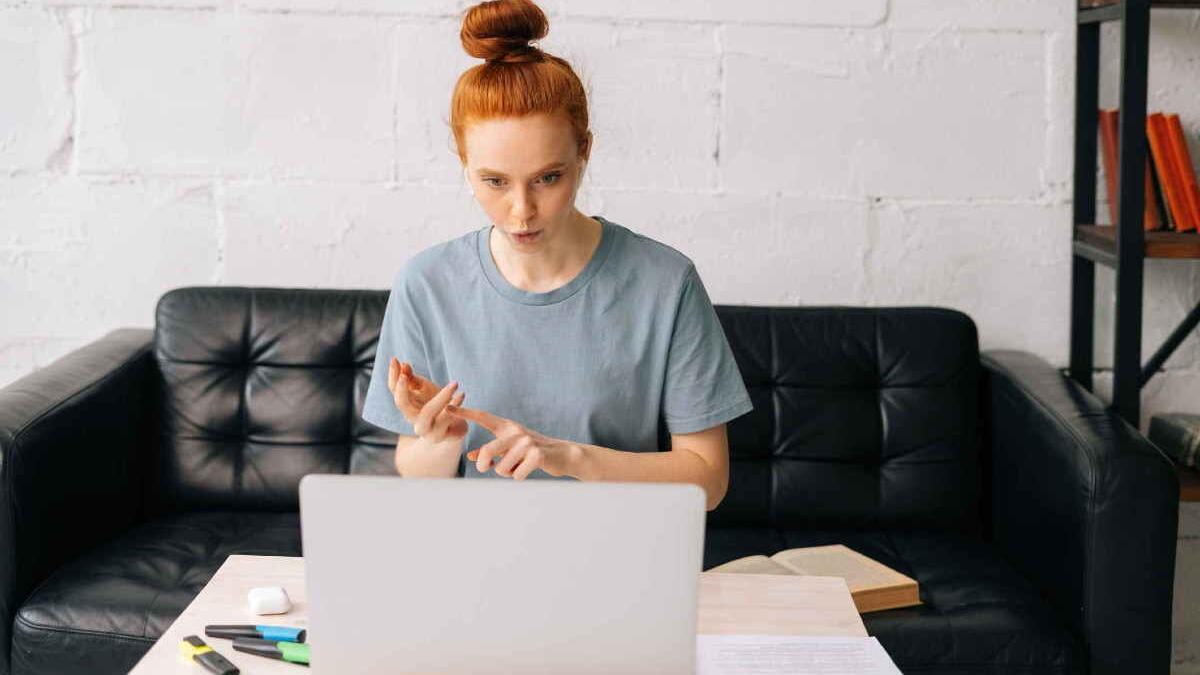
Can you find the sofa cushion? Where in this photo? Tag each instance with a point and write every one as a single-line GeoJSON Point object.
{"type": "Point", "coordinates": [978, 614]}
{"type": "Point", "coordinates": [261, 386]}
{"type": "Point", "coordinates": [102, 612]}
{"type": "Point", "coordinates": [864, 419]}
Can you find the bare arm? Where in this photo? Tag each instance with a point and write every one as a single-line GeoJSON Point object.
{"type": "Point", "coordinates": [417, 458]}
{"type": "Point", "coordinates": [433, 452]}
{"type": "Point", "coordinates": [701, 458]}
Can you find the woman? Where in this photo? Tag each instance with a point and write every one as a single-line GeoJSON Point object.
{"type": "Point", "coordinates": [572, 333]}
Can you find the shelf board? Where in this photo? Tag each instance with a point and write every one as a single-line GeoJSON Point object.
{"type": "Point", "coordinates": [1168, 4]}
{"type": "Point", "coordinates": [1096, 11]}
{"type": "Point", "coordinates": [1099, 243]}
{"type": "Point", "coordinates": [1189, 484]}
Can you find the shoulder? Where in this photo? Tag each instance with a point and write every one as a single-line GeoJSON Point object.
{"type": "Point", "coordinates": [427, 266]}
{"type": "Point", "coordinates": [667, 263]}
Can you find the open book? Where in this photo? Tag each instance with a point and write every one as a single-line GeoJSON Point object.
{"type": "Point", "coordinates": [873, 585]}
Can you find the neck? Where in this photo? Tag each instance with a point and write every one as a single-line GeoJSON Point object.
{"type": "Point", "coordinates": [562, 257]}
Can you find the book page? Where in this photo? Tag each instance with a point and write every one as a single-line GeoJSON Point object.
{"type": "Point", "coordinates": [753, 564]}
{"type": "Point", "coordinates": [837, 561]}
{"type": "Point", "coordinates": [766, 654]}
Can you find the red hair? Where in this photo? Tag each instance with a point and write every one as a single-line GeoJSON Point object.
{"type": "Point", "coordinates": [517, 78]}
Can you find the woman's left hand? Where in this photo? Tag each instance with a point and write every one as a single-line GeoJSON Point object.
{"type": "Point", "coordinates": [520, 450]}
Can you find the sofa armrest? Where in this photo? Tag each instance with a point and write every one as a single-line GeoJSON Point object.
{"type": "Point", "coordinates": [1085, 507]}
{"type": "Point", "coordinates": [71, 439]}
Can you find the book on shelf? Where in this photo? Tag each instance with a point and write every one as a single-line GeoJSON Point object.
{"type": "Point", "coordinates": [873, 585]}
{"type": "Point", "coordinates": [1172, 181]}
{"type": "Point", "coordinates": [1177, 143]}
{"type": "Point", "coordinates": [1110, 154]}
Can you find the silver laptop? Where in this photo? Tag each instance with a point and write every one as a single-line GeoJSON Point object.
{"type": "Point", "coordinates": [497, 576]}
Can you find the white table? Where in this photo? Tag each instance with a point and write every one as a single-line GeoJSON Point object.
{"type": "Point", "coordinates": [768, 604]}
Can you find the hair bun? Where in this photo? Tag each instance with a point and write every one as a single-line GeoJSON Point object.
{"type": "Point", "coordinates": [501, 30]}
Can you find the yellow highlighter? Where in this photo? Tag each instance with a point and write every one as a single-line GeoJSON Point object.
{"type": "Point", "coordinates": [195, 649]}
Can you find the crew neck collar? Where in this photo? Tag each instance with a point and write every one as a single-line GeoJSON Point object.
{"type": "Point", "coordinates": [506, 289]}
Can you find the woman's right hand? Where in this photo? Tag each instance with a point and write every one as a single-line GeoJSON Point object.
{"type": "Point", "coordinates": [423, 404]}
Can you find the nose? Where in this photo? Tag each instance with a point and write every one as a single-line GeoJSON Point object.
{"type": "Point", "coordinates": [523, 208]}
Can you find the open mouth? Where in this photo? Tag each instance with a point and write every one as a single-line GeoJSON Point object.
{"type": "Point", "coordinates": [526, 238]}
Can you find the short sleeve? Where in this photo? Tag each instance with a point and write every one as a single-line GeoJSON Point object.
{"type": "Point", "coordinates": [400, 336]}
{"type": "Point", "coordinates": [703, 386]}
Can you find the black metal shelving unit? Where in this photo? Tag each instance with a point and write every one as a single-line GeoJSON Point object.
{"type": "Point", "coordinates": [1125, 245]}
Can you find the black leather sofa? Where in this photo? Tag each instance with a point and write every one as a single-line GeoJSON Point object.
{"type": "Point", "coordinates": [1041, 528]}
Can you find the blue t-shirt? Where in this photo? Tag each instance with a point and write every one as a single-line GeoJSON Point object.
{"type": "Point", "coordinates": [594, 361]}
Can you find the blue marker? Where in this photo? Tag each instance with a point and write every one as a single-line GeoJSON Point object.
{"type": "Point", "coordinates": [275, 633]}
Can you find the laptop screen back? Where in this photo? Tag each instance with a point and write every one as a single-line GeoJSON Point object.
{"type": "Point", "coordinates": [473, 576]}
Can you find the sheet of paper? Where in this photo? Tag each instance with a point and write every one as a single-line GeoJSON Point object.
{"type": "Point", "coordinates": [766, 654]}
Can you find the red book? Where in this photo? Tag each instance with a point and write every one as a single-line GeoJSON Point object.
{"type": "Point", "coordinates": [1109, 145]}
{"type": "Point", "coordinates": [1183, 165]}
{"type": "Point", "coordinates": [1156, 130]}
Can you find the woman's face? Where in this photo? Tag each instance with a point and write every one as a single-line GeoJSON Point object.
{"type": "Point", "coordinates": [524, 170]}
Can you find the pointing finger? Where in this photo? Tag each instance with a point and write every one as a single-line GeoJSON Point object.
{"type": "Point", "coordinates": [487, 420]}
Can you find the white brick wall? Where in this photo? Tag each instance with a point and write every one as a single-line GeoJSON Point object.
{"type": "Point", "coordinates": [873, 152]}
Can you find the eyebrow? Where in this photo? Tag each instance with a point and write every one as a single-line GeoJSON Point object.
{"type": "Point", "coordinates": [554, 165]}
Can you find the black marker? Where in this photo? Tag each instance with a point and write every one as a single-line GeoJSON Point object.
{"type": "Point", "coordinates": [295, 652]}
{"type": "Point", "coordinates": [279, 633]}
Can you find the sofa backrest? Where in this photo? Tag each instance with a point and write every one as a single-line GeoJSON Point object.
{"type": "Point", "coordinates": [862, 417]}
{"type": "Point", "coordinates": [260, 387]}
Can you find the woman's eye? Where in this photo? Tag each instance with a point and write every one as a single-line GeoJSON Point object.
{"type": "Point", "coordinates": [548, 179]}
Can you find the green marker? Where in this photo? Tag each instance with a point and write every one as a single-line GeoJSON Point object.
{"type": "Point", "coordinates": [295, 652]}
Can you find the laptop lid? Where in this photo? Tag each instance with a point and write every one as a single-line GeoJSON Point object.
{"type": "Point", "coordinates": [481, 576]}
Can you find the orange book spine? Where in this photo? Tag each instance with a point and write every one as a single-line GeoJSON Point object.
{"type": "Point", "coordinates": [1156, 130]}
{"type": "Point", "coordinates": [1151, 221]}
{"type": "Point", "coordinates": [1184, 169]}
{"type": "Point", "coordinates": [1108, 124]}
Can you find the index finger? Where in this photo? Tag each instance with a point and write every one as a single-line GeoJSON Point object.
{"type": "Point", "coordinates": [487, 420]}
